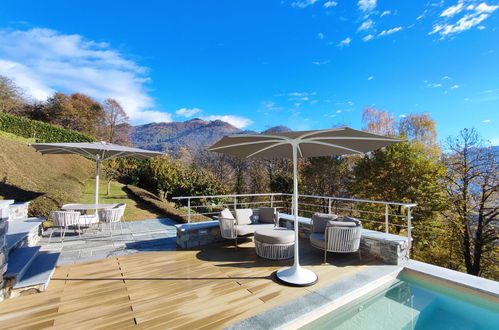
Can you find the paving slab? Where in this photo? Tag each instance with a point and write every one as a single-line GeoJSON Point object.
{"type": "Point", "coordinates": [94, 243]}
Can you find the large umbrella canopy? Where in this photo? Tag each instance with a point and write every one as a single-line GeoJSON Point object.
{"type": "Point", "coordinates": [98, 151]}
{"type": "Point", "coordinates": [328, 142]}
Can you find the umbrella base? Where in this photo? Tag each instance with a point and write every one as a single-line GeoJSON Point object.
{"type": "Point", "coordinates": [296, 276]}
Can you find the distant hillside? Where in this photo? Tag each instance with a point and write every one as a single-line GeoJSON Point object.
{"type": "Point", "coordinates": [195, 134]}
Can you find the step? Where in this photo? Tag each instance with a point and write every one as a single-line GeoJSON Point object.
{"type": "Point", "coordinates": [37, 277]}
{"type": "Point", "coordinates": [19, 261]}
{"type": "Point", "coordinates": [396, 316]}
{"type": "Point", "coordinates": [19, 230]}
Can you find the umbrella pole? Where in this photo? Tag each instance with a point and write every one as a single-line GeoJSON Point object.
{"type": "Point", "coordinates": [296, 275]}
{"type": "Point", "coordinates": [97, 170]}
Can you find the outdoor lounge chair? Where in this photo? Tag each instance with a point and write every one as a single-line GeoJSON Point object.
{"type": "Point", "coordinates": [339, 236]}
{"type": "Point", "coordinates": [63, 220]}
{"type": "Point", "coordinates": [245, 222]}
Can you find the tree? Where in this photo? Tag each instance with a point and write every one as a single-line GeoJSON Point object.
{"type": "Point", "coordinates": [117, 128]}
{"type": "Point", "coordinates": [421, 128]}
{"type": "Point", "coordinates": [472, 185]}
{"type": "Point", "coordinates": [11, 96]}
{"type": "Point", "coordinates": [378, 122]}
{"type": "Point", "coordinates": [77, 111]}
{"type": "Point", "coordinates": [325, 176]}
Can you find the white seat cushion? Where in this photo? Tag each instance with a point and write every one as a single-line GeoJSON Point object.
{"type": "Point", "coordinates": [275, 235]}
{"type": "Point", "coordinates": [244, 230]}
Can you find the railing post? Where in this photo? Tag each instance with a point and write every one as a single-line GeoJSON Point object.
{"type": "Point", "coordinates": [272, 200]}
{"type": "Point", "coordinates": [386, 218]}
{"type": "Point", "coordinates": [235, 203]}
{"type": "Point", "coordinates": [329, 206]}
{"type": "Point", "coordinates": [409, 231]}
{"type": "Point", "coordinates": [188, 210]}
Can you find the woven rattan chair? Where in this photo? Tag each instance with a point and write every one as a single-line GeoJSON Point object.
{"type": "Point", "coordinates": [338, 237]}
{"type": "Point", "coordinates": [63, 220]}
{"type": "Point", "coordinates": [112, 217]}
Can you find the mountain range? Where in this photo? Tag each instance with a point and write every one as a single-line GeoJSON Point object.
{"type": "Point", "coordinates": [195, 134]}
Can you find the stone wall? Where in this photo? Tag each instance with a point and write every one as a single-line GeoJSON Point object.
{"type": "Point", "coordinates": [391, 249]}
{"type": "Point", "coordinates": [4, 216]}
{"type": "Point", "coordinates": [198, 234]}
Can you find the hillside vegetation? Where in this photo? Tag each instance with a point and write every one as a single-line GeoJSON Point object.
{"type": "Point", "coordinates": [48, 181]}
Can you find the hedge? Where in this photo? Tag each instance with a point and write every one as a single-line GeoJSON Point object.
{"type": "Point", "coordinates": [167, 208]}
{"type": "Point", "coordinates": [43, 132]}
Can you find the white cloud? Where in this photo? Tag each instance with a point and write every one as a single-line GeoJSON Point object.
{"type": "Point", "coordinates": [484, 8]}
{"type": "Point", "coordinates": [473, 16]}
{"type": "Point", "coordinates": [403, 116]}
{"type": "Point", "coordinates": [455, 86]}
{"type": "Point", "coordinates": [42, 61]}
{"type": "Point", "coordinates": [366, 25]}
{"type": "Point", "coordinates": [237, 121]}
{"type": "Point", "coordinates": [452, 10]}
{"type": "Point", "coordinates": [320, 62]}
{"type": "Point", "coordinates": [187, 113]}
{"type": "Point", "coordinates": [386, 12]}
{"type": "Point", "coordinates": [486, 121]}
{"type": "Point", "coordinates": [367, 38]}
{"type": "Point", "coordinates": [370, 78]}
{"type": "Point", "coordinates": [320, 35]}
{"type": "Point", "coordinates": [481, 27]}
{"type": "Point", "coordinates": [434, 85]}
{"type": "Point", "coordinates": [446, 77]}
{"type": "Point", "coordinates": [303, 3]}
{"type": "Point", "coordinates": [390, 31]}
{"type": "Point", "coordinates": [329, 4]}
{"type": "Point", "coordinates": [345, 42]}
{"type": "Point", "coordinates": [366, 5]}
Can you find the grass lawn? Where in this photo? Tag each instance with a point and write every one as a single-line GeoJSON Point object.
{"type": "Point", "coordinates": [135, 209]}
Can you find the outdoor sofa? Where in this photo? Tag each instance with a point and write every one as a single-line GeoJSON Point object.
{"type": "Point", "coordinates": [244, 222]}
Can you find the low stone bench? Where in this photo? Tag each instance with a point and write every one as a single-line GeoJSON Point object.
{"type": "Point", "coordinates": [391, 249]}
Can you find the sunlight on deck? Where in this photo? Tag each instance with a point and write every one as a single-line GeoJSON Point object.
{"type": "Point", "coordinates": [209, 288]}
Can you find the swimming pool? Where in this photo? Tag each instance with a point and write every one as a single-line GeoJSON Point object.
{"type": "Point", "coordinates": [413, 303]}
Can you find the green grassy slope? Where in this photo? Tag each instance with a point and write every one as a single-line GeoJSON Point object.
{"type": "Point", "coordinates": [49, 181]}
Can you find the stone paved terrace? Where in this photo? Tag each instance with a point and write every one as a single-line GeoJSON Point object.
{"type": "Point", "coordinates": [138, 236]}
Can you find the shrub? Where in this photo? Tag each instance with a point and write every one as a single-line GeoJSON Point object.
{"type": "Point", "coordinates": [43, 132]}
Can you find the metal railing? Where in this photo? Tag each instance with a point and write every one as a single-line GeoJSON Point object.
{"type": "Point", "coordinates": [390, 215]}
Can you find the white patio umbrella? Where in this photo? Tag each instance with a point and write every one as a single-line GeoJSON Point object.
{"type": "Point", "coordinates": [98, 151]}
{"type": "Point", "coordinates": [328, 142]}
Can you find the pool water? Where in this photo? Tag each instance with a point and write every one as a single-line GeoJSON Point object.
{"type": "Point", "coordinates": [412, 303]}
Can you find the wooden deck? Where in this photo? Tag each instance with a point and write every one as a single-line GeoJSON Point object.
{"type": "Point", "coordinates": [209, 288]}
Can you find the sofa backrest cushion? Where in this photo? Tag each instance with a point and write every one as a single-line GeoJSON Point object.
{"type": "Point", "coordinates": [341, 224]}
{"type": "Point", "coordinates": [266, 214]}
{"type": "Point", "coordinates": [320, 220]}
{"type": "Point", "coordinates": [226, 213]}
{"type": "Point", "coordinates": [244, 216]}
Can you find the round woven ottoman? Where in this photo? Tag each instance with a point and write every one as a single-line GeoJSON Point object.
{"type": "Point", "coordinates": [275, 243]}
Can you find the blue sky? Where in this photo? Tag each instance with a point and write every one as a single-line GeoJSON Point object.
{"type": "Point", "coordinates": [306, 64]}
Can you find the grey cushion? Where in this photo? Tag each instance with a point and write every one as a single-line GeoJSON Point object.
{"type": "Point", "coordinates": [350, 219]}
{"type": "Point", "coordinates": [318, 240]}
{"type": "Point", "coordinates": [243, 216]}
{"type": "Point", "coordinates": [320, 220]}
{"type": "Point", "coordinates": [226, 214]}
{"type": "Point", "coordinates": [275, 235]}
{"type": "Point", "coordinates": [341, 224]}
{"type": "Point", "coordinates": [266, 214]}
{"type": "Point", "coordinates": [244, 230]}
